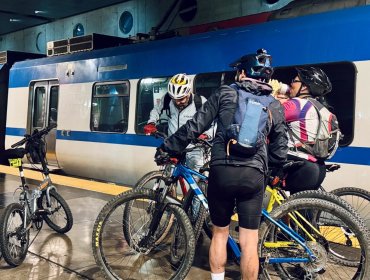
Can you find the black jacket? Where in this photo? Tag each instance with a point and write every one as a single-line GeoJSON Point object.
{"type": "Point", "coordinates": [221, 107]}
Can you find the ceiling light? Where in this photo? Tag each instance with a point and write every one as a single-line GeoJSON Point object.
{"type": "Point", "coordinates": [14, 20]}
{"type": "Point", "coordinates": [40, 12]}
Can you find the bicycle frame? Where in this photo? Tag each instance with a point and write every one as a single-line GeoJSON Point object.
{"type": "Point", "coordinates": [181, 170]}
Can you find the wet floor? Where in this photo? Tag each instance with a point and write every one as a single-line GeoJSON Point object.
{"type": "Point", "coordinates": [69, 256]}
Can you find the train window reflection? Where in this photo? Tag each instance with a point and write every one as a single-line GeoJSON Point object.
{"type": "Point", "coordinates": [150, 93]}
{"type": "Point", "coordinates": [110, 107]}
{"type": "Point", "coordinates": [39, 107]}
{"type": "Point", "coordinates": [53, 107]}
{"type": "Point", "coordinates": [207, 83]}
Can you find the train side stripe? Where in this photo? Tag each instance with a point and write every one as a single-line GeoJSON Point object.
{"type": "Point", "coordinates": [350, 155]}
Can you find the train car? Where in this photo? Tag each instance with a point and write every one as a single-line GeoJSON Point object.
{"type": "Point", "coordinates": [101, 99]}
{"type": "Point", "coordinates": [7, 59]}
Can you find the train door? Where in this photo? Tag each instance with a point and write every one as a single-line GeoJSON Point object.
{"type": "Point", "coordinates": [44, 112]}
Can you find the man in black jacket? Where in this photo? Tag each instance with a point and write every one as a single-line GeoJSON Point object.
{"type": "Point", "coordinates": [234, 179]}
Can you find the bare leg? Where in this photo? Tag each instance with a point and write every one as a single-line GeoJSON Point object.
{"type": "Point", "coordinates": [249, 262]}
{"type": "Point", "coordinates": [217, 250]}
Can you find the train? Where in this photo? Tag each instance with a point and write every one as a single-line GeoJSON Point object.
{"type": "Point", "coordinates": [101, 99]}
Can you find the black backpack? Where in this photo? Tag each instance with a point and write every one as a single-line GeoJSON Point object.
{"type": "Point", "coordinates": [167, 100]}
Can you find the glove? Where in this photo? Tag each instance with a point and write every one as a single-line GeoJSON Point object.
{"type": "Point", "coordinates": [161, 157]}
{"type": "Point", "coordinates": [203, 137]}
{"type": "Point", "coordinates": [150, 128]}
{"type": "Point", "coordinates": [276, 176]}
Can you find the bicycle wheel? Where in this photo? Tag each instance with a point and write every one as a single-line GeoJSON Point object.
{"type": "Point", "coordinates": [197, 215]}
{"type": "Point", "coordinates": [330, 230]}
{"type": "Point", "coordinates": [358, 198]}
{"type": "Point", "coordinates": [151, 181]}
{"type": "Point", "coordinates": [14, 239]}
{"type": "Point", "coordinates": [60, 216]}
{"type": "Point", "coordinates": [119, 259]}
{"type": "Point", "coordinates": [337, 256]}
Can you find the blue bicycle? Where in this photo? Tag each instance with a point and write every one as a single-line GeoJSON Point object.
{"type": "Point", "coordinates": [297, 239]}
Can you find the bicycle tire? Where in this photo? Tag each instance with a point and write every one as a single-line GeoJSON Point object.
{"type": "Point", "coordinates": [109, 243]}
{"type": "Point", "coordinates": [336, 200]}
{"type": "Point", "coordinates": [196, 222]}
{"type": "Point", "coordinates": [159, 179]}
{"type": "Point", "coordinates": [14, 248]}
{"type": "Point", "coordinates": [358, 198]}
{"type": "Point", "coordinates": [325, 265]}
{"type": "Point", "coordinates": [55, 220]}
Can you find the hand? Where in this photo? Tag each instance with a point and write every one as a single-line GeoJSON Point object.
{"type": "Point", "coordinates": [203, 137]}
{"type": "Point", "coordinates": [161, 157]}
{"type": "Point", "coordinates": [150, 128]}
{"type": "Point", "coordinates": [276, 176]}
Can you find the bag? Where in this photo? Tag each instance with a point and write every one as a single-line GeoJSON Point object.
{"type": "Point", "coordinates": [328, 134]}
{"type": "Point", "coordinates": [251, 123]}
{"type": "Point", "coordinates": [167, 100]}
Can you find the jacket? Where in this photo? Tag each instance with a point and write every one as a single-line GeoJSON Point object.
{"type": "Point", "coordinates": [177, 118]}
{"type": "Point", "coordinates": [221, 107]}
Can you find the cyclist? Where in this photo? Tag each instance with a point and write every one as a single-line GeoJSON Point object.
{"type": "Point", "coordinates": [233, 179]}
{"type": "Point", "coordinates": [303, 120]}
{"type": "Point", "coordinates": [182, 106]}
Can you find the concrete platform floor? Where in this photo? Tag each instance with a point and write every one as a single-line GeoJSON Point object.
{"type": "Point", "coordinates": [69, 256]}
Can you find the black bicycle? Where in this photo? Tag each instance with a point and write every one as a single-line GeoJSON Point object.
{"type": "Point", "coordinates": [43, 203]}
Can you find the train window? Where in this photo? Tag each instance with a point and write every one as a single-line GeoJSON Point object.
{"type": "Point", "coordinates": [207, 83]}
{"type": "Point", "coordinates": [53, 106]}
{"type": "Point", "coordinates": [39, 107]}
{"type": "Point", "coordinates": [150, 92]}
{"type": "Point", "coordinates": [341, 99]}
{"type": "Point", "coordinates": [110, 107]}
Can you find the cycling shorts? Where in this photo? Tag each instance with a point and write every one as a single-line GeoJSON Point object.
{"type": "Point", "coordinates": [239, 186]}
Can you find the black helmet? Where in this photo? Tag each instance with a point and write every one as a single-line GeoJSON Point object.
{"type": "Point", "coordinates": [315, 79]}
{"type": "Point", "coordinates": [255, 65]}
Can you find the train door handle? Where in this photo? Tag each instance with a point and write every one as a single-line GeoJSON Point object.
{"type": "Point", "coordinates": [66, 133]}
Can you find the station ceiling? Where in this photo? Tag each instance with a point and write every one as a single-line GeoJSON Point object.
{"type": "Point", "coordinates": [16, 15]}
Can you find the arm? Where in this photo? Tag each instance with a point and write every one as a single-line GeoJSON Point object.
{"type": "Point", "coordinates": [278, 146]}
{"type": "Point", "coordinates": [191, 130]}
{"type": "Point", "coordinates": [156, 111]}
{"type": "Point", "coordinates": [212, 130]}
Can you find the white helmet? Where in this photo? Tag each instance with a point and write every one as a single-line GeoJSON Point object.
{"type": "Point", "coordinates": [179, 86]}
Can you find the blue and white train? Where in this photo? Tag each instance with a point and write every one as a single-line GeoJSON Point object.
{"type": "Point", "coordinates": [101, 99]}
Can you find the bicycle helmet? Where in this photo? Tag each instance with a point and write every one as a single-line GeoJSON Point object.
{"type": "Point", "coordinates": [256, 66]}
{"type": "Point", "coordinates": [179, 86]}
{"type": "Point", "coordinates": [315, 79]}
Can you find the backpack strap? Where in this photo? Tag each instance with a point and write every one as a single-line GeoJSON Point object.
{"type": "Point", "coordinates": [197, 101]}
{"type": "Point", "coordinates": [166, 104]}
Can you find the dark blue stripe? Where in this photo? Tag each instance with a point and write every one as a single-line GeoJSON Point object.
{"type": "Point", "coordinates": [350, 155]}
{"type": "Point", "coordinates": [111, 138]}
{"type": "Point", "coordinates": [15, 131]}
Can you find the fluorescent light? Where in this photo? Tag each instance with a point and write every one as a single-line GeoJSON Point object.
{"type": "Point", "coordinates": [40, 12]}
{"type": "Point", "coordinates": [14, 20]}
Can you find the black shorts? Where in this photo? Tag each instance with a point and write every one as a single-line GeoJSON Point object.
{"type": "Point", "coordinates": [239, 186]}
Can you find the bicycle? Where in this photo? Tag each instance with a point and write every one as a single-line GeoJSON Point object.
{"type": "Point", "coordinates": [43, 203]}
{"type": "Point", "coordinates": [153, 179]}
{"type": "Point", "coordinates": [279, 245]}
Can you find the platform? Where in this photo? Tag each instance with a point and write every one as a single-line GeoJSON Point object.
{"type": "Point", "coordinates": [69, 256]}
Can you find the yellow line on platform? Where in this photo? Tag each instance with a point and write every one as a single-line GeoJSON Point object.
{"type": "Point", "coordinates": [107, 188]}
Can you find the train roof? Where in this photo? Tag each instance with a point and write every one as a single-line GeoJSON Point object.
{"type": "Point", "coordinates": [331, 36]}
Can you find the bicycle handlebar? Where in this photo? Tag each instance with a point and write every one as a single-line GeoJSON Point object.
{"type": "Point", "coordinates": [36, 134]}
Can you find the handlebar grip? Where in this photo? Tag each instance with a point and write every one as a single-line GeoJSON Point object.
{"type": "Point", "coordinates": [19, 143]}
